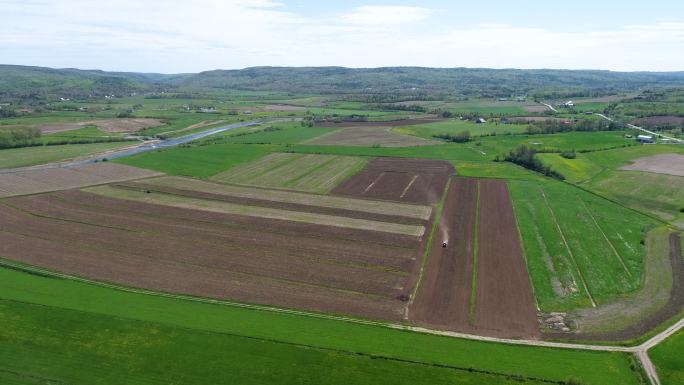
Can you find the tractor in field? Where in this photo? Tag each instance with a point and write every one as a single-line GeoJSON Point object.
{"type": "Point", "coordinates": [445, 243]}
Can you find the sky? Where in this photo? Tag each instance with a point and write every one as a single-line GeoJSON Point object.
{"type": "Point", "coordinates": [191, 36]}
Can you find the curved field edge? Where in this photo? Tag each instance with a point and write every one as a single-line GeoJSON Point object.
{"type": "Point", "coordinates": [58, 296]}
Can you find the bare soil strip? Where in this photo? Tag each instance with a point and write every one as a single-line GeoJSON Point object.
{"type": "Point", "coordinates": [443, 298]}
{"type": "Point", "coordinates": [399, 179]}
{"type": "Point", "coordinates": [670, 164]}
{"type": "Point", "coordinates": [152, 187]}
{"type": "Point", "coordinates": [505, 303]}
{"type": "Point", "coordinates": [360, 205]}
{"type": "Point", "coordinates": [201, 219]}
{"type": "Point", "coordinates": [32, 181]}
{"type": "Point", "coordinates": [255, 211]}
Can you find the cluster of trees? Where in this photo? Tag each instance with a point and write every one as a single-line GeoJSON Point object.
{"type": "Point", "coordinates": [527, 157]}
{"type": "Point", "coordinates": [18, 136]}
{"type": "Point", "coordinates": [552, 126]}
{"type": "Point", "coordinates": [461, 137]}
{"type": "Point", "coordinates": [8, 113]}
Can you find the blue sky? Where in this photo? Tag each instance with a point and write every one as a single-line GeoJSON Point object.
{"type": "Point", "coordinates": [181, 36]}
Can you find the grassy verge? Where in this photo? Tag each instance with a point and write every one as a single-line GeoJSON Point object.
{"type": "Point", "coordinates": [668, 359]}
{"type": "Point", "coordinates": [103, 311]}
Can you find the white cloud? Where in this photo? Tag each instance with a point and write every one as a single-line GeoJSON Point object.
{"type": "Point", "coordinates": [169, 36]}
{"type": "Point", "coordinates": [376, 15]}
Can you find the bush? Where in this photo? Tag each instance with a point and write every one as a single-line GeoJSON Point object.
{"type": "Point", "coordinates": [461, 137]}
{"type": "Point", "coordinates": [568, 154]}
{"type": "Point", "coordinates": [527, 157]}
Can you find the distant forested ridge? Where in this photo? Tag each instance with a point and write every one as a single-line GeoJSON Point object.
{"type": "Point", "coordinates": [367, 84]}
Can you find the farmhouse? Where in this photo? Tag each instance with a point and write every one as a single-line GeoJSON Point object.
{"type": "Point", "coordinates": [569, 104]}
{"type": "Point", "coordinates": [645, 138]}
{"type": "Point", "coordinates": [480, 120]}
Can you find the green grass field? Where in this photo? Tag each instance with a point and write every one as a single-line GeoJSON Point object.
{"type": "Point", "coordinates": [668, 359]}
{"type": "Point", "coordinates": [299, 172]}
{"type": "Point", "coordinates": [655, 194]}
{"type": "Point", "coordinates": [579, 247]}
{"type": "Point", "coordinates": [71, 332]}
{"type": "Point", "coordinates": [455, 126]}
{"type": "Point", "coordinates": [574, 170]}
{"type": "Point", "coordinates": [29, 156]}
{"type": "Point", "coordinates": [285, 133]}
{"type": "Point", "coordinates": [197, 161]}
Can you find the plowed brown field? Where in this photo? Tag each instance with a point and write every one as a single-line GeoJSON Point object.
{"type": "Point", "coordinates": [399, 179]}
{"type": "Point", "coordinates": [236, 257]}
{"type": "Point", "coordinates": [489, 264]}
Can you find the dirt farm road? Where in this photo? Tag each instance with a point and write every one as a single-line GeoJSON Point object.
{"type": "Point", "coordinates": [640, 351]}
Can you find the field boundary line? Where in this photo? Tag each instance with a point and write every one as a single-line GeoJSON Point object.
{"type": "Point", "coordinates": [473, 281]}
{"type": "Point", "coordinates": [617, 255]}
{"type": "Point", "coordinates": [567, 246]}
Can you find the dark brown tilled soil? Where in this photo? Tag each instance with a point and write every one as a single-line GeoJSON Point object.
{"type": "Point", "coordinates": [389, 178]}
{"type": "Point", "coordinates": [505, 303]}
{"type": "Point", "coordinates": [272, 204]}
{"type": "Point", "coordinates": [238, 221]}
{"type": "Point", "coordinates": [192, 280]}
{"type": "Point", "coordinates": [281, 263]}
{"type": "Point", "coordinates": [345, 252]}
{"type": "Point", "coordinates": [444, 297]}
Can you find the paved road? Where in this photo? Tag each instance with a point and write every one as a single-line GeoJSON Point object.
{"type": "Point", "coordinates": [655, 134]}
{"type": "Point", "coordinates": [136, 149]}
{"type": "Point", "coordinates": [549, 106]}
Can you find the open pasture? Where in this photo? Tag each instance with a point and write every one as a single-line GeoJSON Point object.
{"type": "Point", "coordinates": [455, 126]}
{"type": "Point", "coordinates": [299, 172]}
{"type": "Point", "coordinates": [581, 250]}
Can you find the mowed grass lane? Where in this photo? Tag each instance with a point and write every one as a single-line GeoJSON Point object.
{"type": "Point", "coordinates": [581, 249]}
{"type": "Point", "coordinates": [299, 172]}
{"type": "Point", "coordinates": [81, 333]}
